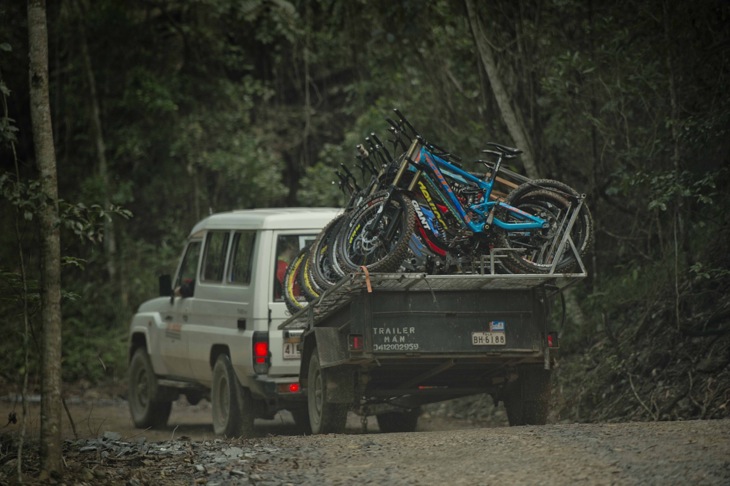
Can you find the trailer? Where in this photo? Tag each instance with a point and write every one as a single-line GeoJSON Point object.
{"type": "Point", "coordinates": [385, 344]}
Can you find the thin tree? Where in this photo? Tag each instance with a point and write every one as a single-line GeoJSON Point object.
{"type": "Point", "coordinates": [40, 111]}
{"type": "Point", "coordinates": [110, 239]}
{"type": "Point", "coordinates": [511, 119]}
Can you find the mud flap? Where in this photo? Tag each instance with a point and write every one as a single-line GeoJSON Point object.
{"type": "Point", "coordinates": [340, 384]}
{"type": "Point", "coordinates": [331, 345]}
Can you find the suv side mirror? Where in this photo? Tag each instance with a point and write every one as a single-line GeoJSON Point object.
{"type": "Point", "coordinates": [165, 284]}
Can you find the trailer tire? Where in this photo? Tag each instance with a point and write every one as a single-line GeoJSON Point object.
{"type": "Point", "coordinates": [301, 420]}
{"type": "Point", "coordinates": [399, 421]}
{"type": "Point", "coordinates": [324, 417]}
{"type": "Point", "coordinates": [527, 399]}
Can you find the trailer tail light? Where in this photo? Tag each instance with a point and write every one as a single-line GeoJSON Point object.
{"type": "Point", "coordinates": [356, 342]}
{"type": "Point", "coordinates": [288, 388]}
{"type": "Point", "coordinates": [552, 340]}
{"type": "Point", "coordinates": [261, 358]}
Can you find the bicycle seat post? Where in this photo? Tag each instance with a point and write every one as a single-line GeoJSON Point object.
{"type": "Point", "coordinates": [491, 175]}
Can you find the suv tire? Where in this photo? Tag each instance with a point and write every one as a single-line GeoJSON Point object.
{"type": "Point", "coordinates": [233, 411]}
{"type": "Point", "coordinates": [145, 405]}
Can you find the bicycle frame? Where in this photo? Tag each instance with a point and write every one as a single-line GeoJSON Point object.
{"type": "Point", "coordinates": [484, 210]}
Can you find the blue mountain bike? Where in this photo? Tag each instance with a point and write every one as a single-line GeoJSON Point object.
{"type": "Point", "coordinates": [542, 226]}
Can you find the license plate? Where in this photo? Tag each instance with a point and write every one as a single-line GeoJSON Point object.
{"type": "Point", "coordinates": [488, 338]}
{"type": "Point", "coordinates": [291, 351]}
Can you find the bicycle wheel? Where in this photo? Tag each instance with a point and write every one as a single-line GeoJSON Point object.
{"type": "Point", "coordinates": [380, 246]}
{"type": "Point", "coordinates": [582, 233]}
{"type": "Point", "coordinates": [306, 281]}
{"type": "Point", "coordinates": [293, 297]}
{"type": "Point", "coordinates": [539, 248]}
{"type": "Point", "coordinates": [324, 269]}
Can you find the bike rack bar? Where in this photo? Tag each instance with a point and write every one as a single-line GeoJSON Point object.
{"type": "Point", "coordinates": [566, 237]}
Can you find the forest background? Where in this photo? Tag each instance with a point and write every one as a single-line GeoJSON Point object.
{"type": "Point", "coordinates": [167, 110]}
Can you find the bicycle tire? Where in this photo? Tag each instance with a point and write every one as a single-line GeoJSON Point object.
{"type": "Point", "coordinates": [584, 222]}
{"type": "Point", "coordinates": [291, 283]}
{"type": "Point", "coordinates": [324, 269]}
{"type": "Point", "coordinates": [360, 245]}
{"type": "Point", "coordinates": [538, 245]}
{"type": "Point", "coordinates": [306, 282]}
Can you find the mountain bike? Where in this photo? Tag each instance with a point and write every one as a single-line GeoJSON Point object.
{"type": "Point", "coordinates": [543, 226]}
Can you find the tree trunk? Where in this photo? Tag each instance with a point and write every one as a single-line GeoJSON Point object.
{"type": "Point", "coordinates": [514, 127]}
{"type": "Point", "coordinates": [40, 112]}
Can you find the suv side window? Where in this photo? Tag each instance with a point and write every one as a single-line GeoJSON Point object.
{"type": "Point", "coordinates": [185, 284]}
{"type": "Point", "coordinates": [240, 266]}
{"type": "Point", "coordinates": [216, 248]}
{"type": "Point", "coordinates": [287, 248]}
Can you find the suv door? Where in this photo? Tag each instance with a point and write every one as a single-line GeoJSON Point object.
{"type": "Point", "coordinates": [173, 345]}
{"type": "Point", "coordinates": [221, 311]}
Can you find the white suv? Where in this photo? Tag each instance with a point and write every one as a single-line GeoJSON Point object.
{"type": "Point", "coordinates": [213, 333]}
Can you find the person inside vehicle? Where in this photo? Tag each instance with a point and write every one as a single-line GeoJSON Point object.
{"type": "Point", "coordinates": [287, 248]}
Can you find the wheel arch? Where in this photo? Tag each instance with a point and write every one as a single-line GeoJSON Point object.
{"type": "Point", "coordinates": [136, 340]}
{"type": "Point", "coordinates": [217, 350]}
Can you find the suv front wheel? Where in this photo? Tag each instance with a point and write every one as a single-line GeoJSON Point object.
{"type": "Point", "coordinates": [145, 405]}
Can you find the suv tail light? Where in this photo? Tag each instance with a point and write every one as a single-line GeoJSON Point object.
{"type": "Point", "coordinates": [261, 356]}
{"type": "Point", "coordinates": [289, 388]}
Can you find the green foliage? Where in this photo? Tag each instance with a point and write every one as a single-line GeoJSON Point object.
{"type": "Point", "coordinates": [223, 104]}
{"type": "Point", "coordinates": [93, 352]}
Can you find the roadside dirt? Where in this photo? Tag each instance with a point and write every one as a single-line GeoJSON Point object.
{"type": "Point", "coordinates": [95, 413]}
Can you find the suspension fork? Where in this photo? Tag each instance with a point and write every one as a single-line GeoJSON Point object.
{"type": "Point", "coordinates": [410, 157]}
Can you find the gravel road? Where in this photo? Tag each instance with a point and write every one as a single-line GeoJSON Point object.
{"type": "Point", "coordinates": [632, 453]}
{"type": "Point", "coordinates": [444, 450]}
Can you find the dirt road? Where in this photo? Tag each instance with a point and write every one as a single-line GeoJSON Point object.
{"type": "Point", "coordinates": [443, 451]}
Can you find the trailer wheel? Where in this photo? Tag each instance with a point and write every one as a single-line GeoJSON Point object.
{"type": "Point", "coordinates": [145, 405]}
{"type": "Point", "coordinates": [324, 417]}
{"type": "Point", "coordinates": [233, 407]}
{"type": "Point", "coordinates": [399, 421]}
{"type": "Point", "coordinates": [527, 399]}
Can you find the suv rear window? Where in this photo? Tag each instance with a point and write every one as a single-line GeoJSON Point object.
{"type": "Point", "coordinates": [216, 248]}
{"type": "Point", "coordinates": [239, 268]}
{"type": "Point", "coordinates": [287, 247]}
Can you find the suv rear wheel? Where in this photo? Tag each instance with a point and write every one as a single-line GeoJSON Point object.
{"type": "Point", "coordinates": [233, 408]}
{"type": "Point", "coordinates": [145, 405]}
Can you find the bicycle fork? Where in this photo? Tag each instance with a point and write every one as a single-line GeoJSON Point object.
{"type": "Point", "coordinates": [393, 224]}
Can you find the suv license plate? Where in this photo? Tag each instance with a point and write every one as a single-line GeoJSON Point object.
{"type": "Point", "coordinates": [291, 351]}
{"type": "Point", "coordinates": [488, 338]}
